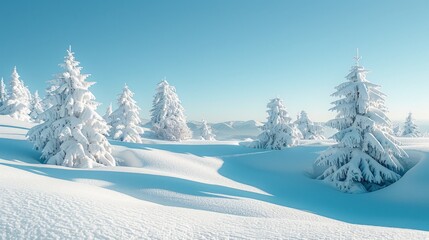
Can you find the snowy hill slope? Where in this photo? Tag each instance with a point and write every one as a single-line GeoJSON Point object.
{"type": "Point", "coordinates": [197, 190]}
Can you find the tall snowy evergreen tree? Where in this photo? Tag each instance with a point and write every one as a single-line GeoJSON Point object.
{"type": "Point", "coordinates": [309, 129]}
{"type": "Point", "coordinates": [18, 103]}
{"type": "Point", "coordinates": [168, 118]}
{"type": "Point", "coordinates": [73, 133]}
{"type": "Point", "coordinates": [36, 107]}
{"type": "Point", "coordinates": [126, 119]}
{"type": "Point", "coordinates": [278, 132]}
{"type": "Point", "coordinates": [410, 128]}
{"type": "Point", "coordinates": [366, 157]}
{"type": "Point", "coordinates": [3, 93]}
{"type": "Point", "coordinates": [207, 132]}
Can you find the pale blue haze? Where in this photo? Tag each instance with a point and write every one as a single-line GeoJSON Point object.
{"type": "Point", "coordinates": [226, 58]}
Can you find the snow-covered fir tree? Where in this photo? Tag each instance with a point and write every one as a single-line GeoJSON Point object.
{"type": "Point", "coordinates": [108, 114]}
{"type": "Point", "coordinates": [126, 119]}
{"type": "Point", "coordinates": [73, 133]}
{"type": "Point", "coordinates": [17, 104]}
{"type": "Point", "coordinates": [36, 107]}
{"type": "Point", "coordinates": [278, 132]}
{"type": "Point", "coordinates": [168, 118]}
{"type": "Point", "coordinates": [207, 132]}
{"type": "Point", "coordinates": [3, 93]}
{"type": "Point", "coordinates": [366, 157]}
{"type": "Point", "coordinates": [308, 129]}
{"type": "Point", "coordinates": [410, 129]}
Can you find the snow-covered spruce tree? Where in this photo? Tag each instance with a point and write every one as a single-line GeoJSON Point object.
{"type": "Point", "coordinates": [410, 129]}
{"type": "Point", "coordinates": [36, 107]}
{"type": "Point", "coordinates": [107, 116]}
{"type": "Point", "coordinates": [207, 132]}
{"type": "Point", "coordinates": [73, 133]}
{"type": "Point", "coordinates": [3, 93]}
{"type": "Point", "coordinates": [309, 129]}
{"type": "Point", "coordinates": [18, 103]}
{"type": "Point", "coordinates": [278, 132]}
{"type": "Point", "coordinates": [126, 119]}
{"type": "Point", "coordinates": [168, 118]}
{"type": "Point", "coordinates": [366, 157]}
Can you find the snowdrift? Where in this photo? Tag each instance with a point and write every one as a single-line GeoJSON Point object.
{"type": "Point", "coordinates": [198, 189]}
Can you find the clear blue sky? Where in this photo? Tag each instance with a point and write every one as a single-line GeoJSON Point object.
{"type": "Point", "coordinates": [227, 58]}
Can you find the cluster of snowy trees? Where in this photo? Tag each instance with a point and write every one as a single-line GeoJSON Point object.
{"type": "Point", "coordinates": [17, 101]}
{"type": "Point", "coordinates": [70, 132]}
{"type": "Point", "coordinates": [280, 132]}
{"type": "Point", "coordinates": [366, 156]}
{"type": "Point", "coordinates": [409, 128]}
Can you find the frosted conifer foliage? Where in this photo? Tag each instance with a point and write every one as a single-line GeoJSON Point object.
{"type": "Point", "coordinates": [366, 157]}
{"type": "Point", "coordinates": [207, 132]}
{"type": "Point", "coordinates": [73, 133]}
{"type": "Point", "coordinates": [410, 128]}
{"type": "Point", "coordinates": [3, 93]}
{"type": "Point", "coordinates": [36, 107]}
{"type": "Point", "coordinates": [168, 118]}
{"type": "Point", "coordinates": [18, 103]}
{"type": "Point", "coordinates": [309, 129]}
{"type": "Point", "coordinates": [107, 116]}
{"type": "Point", "coordinates": [126, 119]}
{"type": "Point", "coordinates": [278, 131]}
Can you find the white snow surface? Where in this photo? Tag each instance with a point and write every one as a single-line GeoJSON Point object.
{"type": "Point", "coordinates": [201, 190]}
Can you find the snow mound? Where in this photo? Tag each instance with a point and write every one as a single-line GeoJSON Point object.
{"type": "Point", "coordinates": [194, 190]}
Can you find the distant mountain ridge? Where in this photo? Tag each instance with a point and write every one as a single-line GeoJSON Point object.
{"type": "Point", "coordinates": [230, 130]}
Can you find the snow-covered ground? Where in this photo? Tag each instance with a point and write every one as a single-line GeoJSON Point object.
{"type": "Point", "coordinates": [201, 190]}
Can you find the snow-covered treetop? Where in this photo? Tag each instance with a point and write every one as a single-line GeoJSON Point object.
{"type": "Point", "coordinates": [277, 113]}
{"type": "Point", "coordinates": [108, 113]}
{"type": "Point", "coordinates": [308, 129]}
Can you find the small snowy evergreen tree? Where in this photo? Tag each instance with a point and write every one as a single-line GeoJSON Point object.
{"type": "Point", "coordinates": [107, 116]}
{"type": "Point", "coordinates": [168, 118]}
{"type": "Point", "coordinates": [126, 119]}
{"type": "Point", "coordinates": [410, 128]}
{"type": "Point", "coordinates": [366, 157]}
{"type": "Point", "coordinates": [309, 129]}
{"type": "Point", "coordinates": [206, 132]}
{"type": "Point", "coordinates": [73, 133]}
{"type": "Point", "coordinates": [3, 93]}
{"type": "Point", "coordinates": [278, 132]}
{"type": "Point", "coordinates": [36, 107]}
{"type": "Point", "coordinates": [18, 102]}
